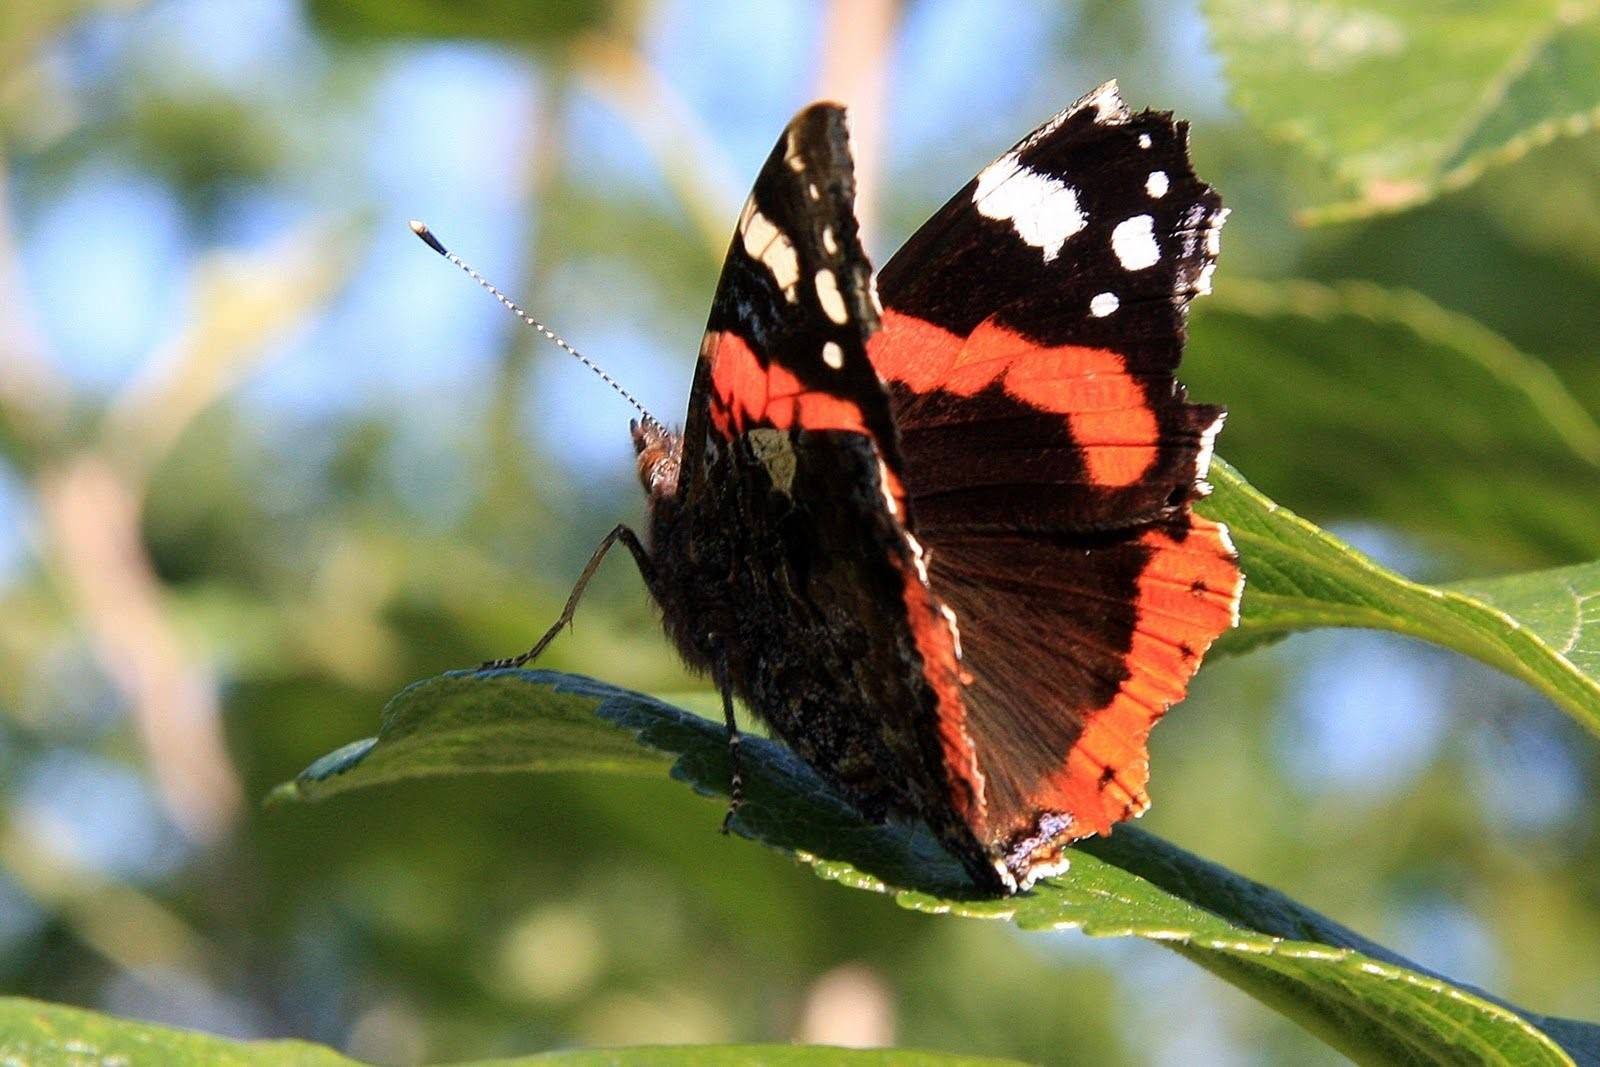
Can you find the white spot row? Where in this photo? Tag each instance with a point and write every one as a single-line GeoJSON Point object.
{"type": "Point", "coordinates": [792, 154]}
{"type": "Point", "coordinates": [767, 244]}
{"type": "Point", "coordinates": [918, 557]}
{"type": "Point", "coordinates": [1109, 110]}
{"type": "Point", "coordinates": [827, 285]}
{"type": "Point", "coordinates": [1156, 184]}
{"type": "Point", "coordinates": [1134, 242]}
{"type": "Point", "coordinates": [1214, 233]}
{"type": "Point", "coordinates": [1208, 444]}
{"type": "Point", "coordinates": [1043, 210]}
{"type": "Point", "coordinates": [883, 471]}
{"type": "Point", "coordinates": [1104, 304]}
{"type": "Point", "coordinates": [955, 630]}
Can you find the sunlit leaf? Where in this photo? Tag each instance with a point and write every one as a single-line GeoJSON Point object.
{"type": "Point", "coordinates": [1560, 607]}
{"type": "Point", "coordinates": [1403, 412]}
{"type": "Point", "coordinates": [1404, 100]}
{"type": "Point", "coordinates": [1298, 577]}
{"type": "Point", "coordinates": [37, 1033]}
{"type": "Point", "coordinates": [1362, 999]}
{"type": "Point", "coordinates": [491, 732]}
{"type": "Point", "coordinates": [550, 22]}
{"type": "Point", "coordinates": [32, 1032]}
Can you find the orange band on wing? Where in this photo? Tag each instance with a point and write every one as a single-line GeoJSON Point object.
{"type": "Point", "coordinates": [1108, 415]}
{"type": "Point", "coordinates": [746, 394]}
{"type": "Point", "coordinates": [936, 644]}
{"type": "Point", "coordinates": [1188, 595]}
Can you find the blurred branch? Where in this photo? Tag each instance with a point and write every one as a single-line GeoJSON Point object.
{"type": "Point", "coordinates": [25, 28]}
{"type": "Point", "coordinates": [242, 302]}
{"type": "Point", "coordinates": [856, 40]}
{"type": "Point", "coordinates": [122, 924]}
{"type": "Point", "coordinates": [510, 494]}
{"type": "Point", "coordinates": [91, 506]}
{"type": "Point", "coordinates": [690, 161]}
{"type": "Point", "coordinates": [91, 520]}
{"type": "Point", "coordinates": [33, 396]}
{"type": "Point", "coordinates": [851, 1006]}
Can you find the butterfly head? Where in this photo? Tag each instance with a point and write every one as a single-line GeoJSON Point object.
{"type": "Point", "coordinates": [660, 453]}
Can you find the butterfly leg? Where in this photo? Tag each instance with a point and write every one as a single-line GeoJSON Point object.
{"type": "Point", "coordinates": [735, 776]}
{"type": "Point", "coordinates": [646, 570]}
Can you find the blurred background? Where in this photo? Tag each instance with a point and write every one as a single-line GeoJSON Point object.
{"type": "Point", "coordinates": [264, 459]}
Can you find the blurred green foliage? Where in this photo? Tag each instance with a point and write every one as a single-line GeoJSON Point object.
{"type": "Point", "coordinates": [1423, 381]}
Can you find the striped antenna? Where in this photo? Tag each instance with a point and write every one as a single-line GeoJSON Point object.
{"type": "Point", "coordinates": [422, 231]}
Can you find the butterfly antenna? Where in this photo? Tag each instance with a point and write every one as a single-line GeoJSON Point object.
{"type": "Point", "coordinates": [422, 231]}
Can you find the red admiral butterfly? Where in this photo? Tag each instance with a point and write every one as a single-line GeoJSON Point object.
{"type": "Point", "coordinates": [942, 544]}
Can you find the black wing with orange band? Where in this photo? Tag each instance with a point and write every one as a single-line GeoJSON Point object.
{"type": "Point", "coordinates": [792, 503]}
{"type": "Point", "coordinates": [1031, 335]}
{"type": "Point", "coordinates": [785, 346]}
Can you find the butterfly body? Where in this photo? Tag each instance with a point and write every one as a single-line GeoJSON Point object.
{"type": "Point", "coordinates": [942, 544]}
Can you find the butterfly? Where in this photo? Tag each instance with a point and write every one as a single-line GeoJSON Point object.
{"type": "Point", "coordinates": [933, 524]}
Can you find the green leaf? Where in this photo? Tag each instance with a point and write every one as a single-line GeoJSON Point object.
{"type": "Point", "coordinates": [40, 1034]}
{"type": "Point", "coordinates": [491, 732]}
{"type": "Point", "coordinates": [1560, 607]}
{"type": "Point", "coordinates": [1404, 100]}
{"type": "Point", "coordinates": [37, 1033]}
{"type": "Point", "coordinates": [1537, 627]}
{"type": "Point", "coordinates": [1316, 364]}
{"type": "Point", "coordinates": [1360, 998]}
{"type": "Point", "coordinates": [545, 24]}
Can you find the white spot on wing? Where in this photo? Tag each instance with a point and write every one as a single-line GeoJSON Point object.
{"type": "Point", "coordinates": [1214, 233]}
{"type": "Point", "coordinates": [1043, 210]}
{"type": "Point", "coordinates": [1045, 870]}
{"type": "Point", "coordinates": [883, 488]}
{"type": "Point", "coordinates": [828, 242]}
{"type": "Point", "coordinates": [1144, 140]}
{"type": "Point", "coordinates": [1236, 594]}
{"type": "Point", "coordinates": [833, 355]}
{"type": "Point", "coordinates": [1134, 242]}
{"type": "Point", "coordinates": [792, 155]}
{"type": "Point", "coordinates": [1156, 184]}
{"type": "Point", "coordinates": [955, 630]}
{"type": "Point", "coordinates": [917, 557]}
{"type": "Point", "coordinates": [1109, 109]}
{"type": "Point", "coordinates": [1208, 444]}
{"type": "Point", "coordinates": [1006, 878]}
{"type": "Point", "coordinates": [1104, 304]}
{"type": "Point", "coordinates": [765, 242]}
{"type": "Point", "coordinates": [828, 296]}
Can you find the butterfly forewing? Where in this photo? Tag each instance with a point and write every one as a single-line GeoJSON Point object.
{"type": "Point", "coordinates": [785, 548]}
{"type": "Point", "coordinates": [1032, 331]}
